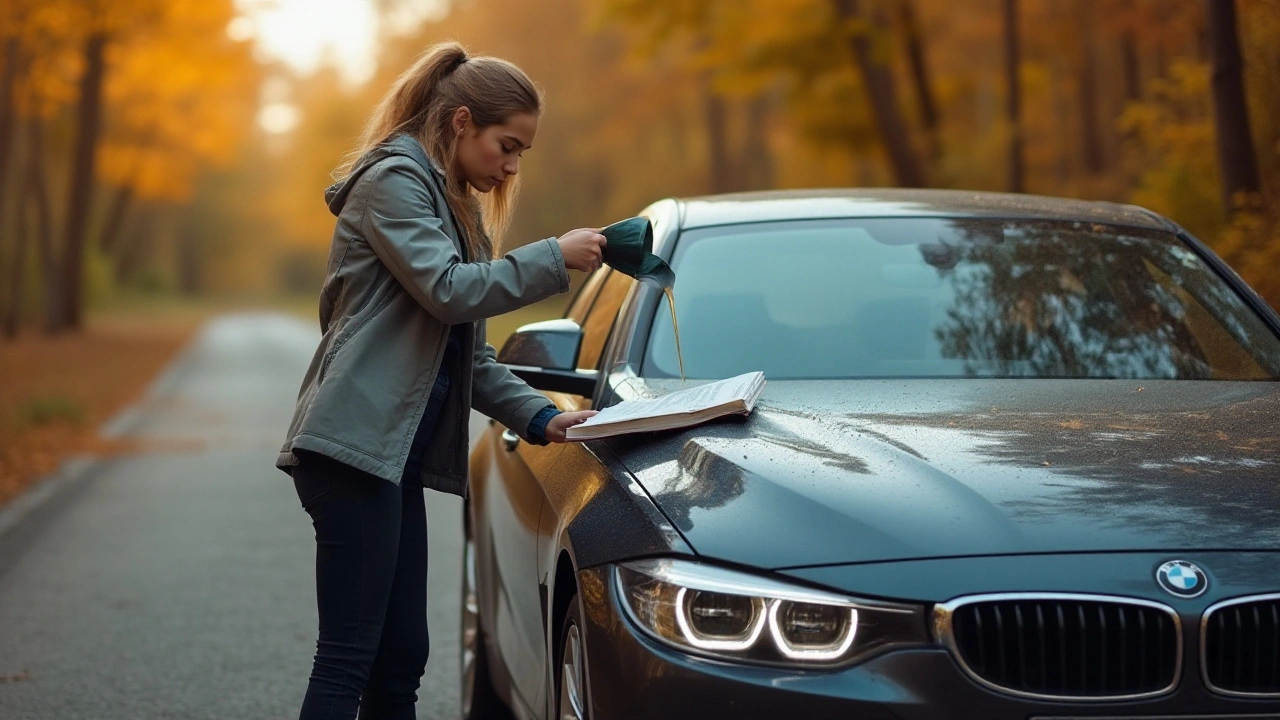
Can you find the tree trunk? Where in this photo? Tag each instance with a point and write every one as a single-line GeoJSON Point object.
{"type": "Point", "coordinates": [878, 81]}
{"type": "Point", "coordinates": [758, 160]}
{"type": "Point", "coordinates": [920, 75]}
{"type": "Point", "coordinates": [109, 237]}
{"type": "Point", "coordinates": [81, 180]}
{"type": "Point", "coordinates": [13, 313]}
{"type": "Point", "coordinates": [134, 253]}
{"type": "Point", "coordinates": [8, 81]}
{"type": "Point", "coordinates": [191, 264]}
{"type": "Point", "coordinates": [1062, 166]}
{"type": "Point", "coordinates": [109, 240]}
{"type": "Point", "coordinates": [719, 174]}
{"type": "Point", "coordinates": [44, 227]}
{"type": "Point", "coordinates": [1132, 67]}
{"type": "Point", "coordinates": [1090, 138]}
{"type": "Point", "coordinates": [1013, 106]}
{"type": "Point", "coordinates": [1230, 112]}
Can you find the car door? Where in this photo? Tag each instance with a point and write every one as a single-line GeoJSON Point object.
{"type": "Point", "coordinates": [513, 502]}
{"type": "Point", "coordinates": [524, 473]}
{"type": "Point", "coordinates": [567, 483]}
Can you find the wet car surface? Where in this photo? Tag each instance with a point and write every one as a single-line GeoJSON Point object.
{"type": "Point", "coordinates": [1017, 457]}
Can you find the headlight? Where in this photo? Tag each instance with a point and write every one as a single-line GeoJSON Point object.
{"type": "Point", "coordinates": [732, 615]}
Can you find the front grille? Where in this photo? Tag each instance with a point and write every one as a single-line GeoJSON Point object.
{"type": "Point", "coordinates": [1066, 646]}
{"type": "Point", "coordinates": [1241, 646]}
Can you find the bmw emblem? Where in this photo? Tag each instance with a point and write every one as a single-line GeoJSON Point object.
{"type": "Point", "coordinates": [1182, 578]}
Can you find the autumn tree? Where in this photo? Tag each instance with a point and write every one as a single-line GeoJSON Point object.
{"type": "Point", "coordinates": [650, 98]}
{"type": "Point", "coordinates": [878, 81]}
{"type": "Point", "coordinates": [154, 86]}
{"type": "Point", "coordinates": [1231, 114]}
{"type": "Point", "coordinates": [913, 38]}
{"type": "Point", "coordinates": [165, 129]}
{"type": "Point", "coordinates": [1013, 98]}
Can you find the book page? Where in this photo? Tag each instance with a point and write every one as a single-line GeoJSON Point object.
{"type": "Point", "coordinates": [681, 401]}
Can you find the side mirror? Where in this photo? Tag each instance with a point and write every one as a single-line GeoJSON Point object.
{"type": "Point", "coordinates": [545, 355]}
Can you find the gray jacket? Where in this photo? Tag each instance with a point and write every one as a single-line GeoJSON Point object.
{"type": "Point", "coordinates": [396, 282]}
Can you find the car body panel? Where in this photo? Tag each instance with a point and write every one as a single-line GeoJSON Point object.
{"type": "Point", "coordinates": [642, 678]}
{"type": "Point", "coordinates": [1131, 574]}
{"type": "Point", "coordinates": [512, 500]}
{"type": "Point", "coordinates": [540, 503]}
{"type": "Point", "coordinates": [873, 470]}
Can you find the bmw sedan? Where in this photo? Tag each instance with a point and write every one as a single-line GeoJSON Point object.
{"type": "Point", "coordinates": [1017, 457]}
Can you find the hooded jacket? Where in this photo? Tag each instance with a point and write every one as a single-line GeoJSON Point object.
{"type": "Point", "coordinates": [397, 280]}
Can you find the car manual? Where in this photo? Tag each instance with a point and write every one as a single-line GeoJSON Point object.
{"type": "Point", "coordinates": [682, 408]}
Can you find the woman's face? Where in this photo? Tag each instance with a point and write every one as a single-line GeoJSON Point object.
{"type": "Point", "coordinates": [487, 157]}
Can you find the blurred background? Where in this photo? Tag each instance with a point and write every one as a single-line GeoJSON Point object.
{"type": "Point", "coordinates": [163, 160]}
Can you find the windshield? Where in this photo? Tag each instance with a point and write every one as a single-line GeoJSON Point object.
{"type": "Point", "coordinates": [953, 297]}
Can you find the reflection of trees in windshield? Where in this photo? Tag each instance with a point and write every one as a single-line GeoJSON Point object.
{"type": "Point", "coordinates": [948, 297]}
{"type": "Point", "coordinates": [1164, 476]}
{"type": "Point", "coordinates": [1079, 300]}
{"type": "Point", "coordinates": [1048, 300]}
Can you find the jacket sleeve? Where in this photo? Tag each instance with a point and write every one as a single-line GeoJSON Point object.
{"type": "Point", "coordinates": [496, 392]}
{"type": "Point", "coordinates": [403, 226]}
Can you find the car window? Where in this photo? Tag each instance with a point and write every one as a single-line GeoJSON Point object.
{"type": "Point", "coordinates": [581, 303]}
{"type": "Point", "coordinates": [1226, 358]}
{"type": "Point", "coordinates": [600, 320]}
{"type": "Point", "coordinates": [953, 297]}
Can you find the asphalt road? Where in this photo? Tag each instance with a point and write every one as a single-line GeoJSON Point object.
{"type": "Point", "coordinates": [179, 582]}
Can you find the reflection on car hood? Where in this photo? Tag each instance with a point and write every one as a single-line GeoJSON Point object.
{"type": "Point", "coordinates": [867, 470]}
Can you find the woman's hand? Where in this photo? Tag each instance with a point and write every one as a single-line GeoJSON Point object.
{"type": "Point", "coordinates": [581, 249]}
{"type": "Point", "coordinates": [565, 420]}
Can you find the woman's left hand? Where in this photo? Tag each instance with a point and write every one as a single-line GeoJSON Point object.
{"type": "Point", "coordinates": [565, 420]}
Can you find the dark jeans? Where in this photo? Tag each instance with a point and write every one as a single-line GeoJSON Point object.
{"type": "Point", "coordinates": [371, 591]}
{"type": "Point", "coordinates": [371, 584]}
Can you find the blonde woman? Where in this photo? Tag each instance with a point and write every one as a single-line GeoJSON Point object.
{"type": "Point", "coordinates": [384, 405]}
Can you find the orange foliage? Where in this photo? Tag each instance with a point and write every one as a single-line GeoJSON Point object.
{"type": "Point", "coordinates": [56, 409]}
{"type": "Point", "coordinates": [178, 101]}
{"type": "Point", "coordinates": [652, 98]}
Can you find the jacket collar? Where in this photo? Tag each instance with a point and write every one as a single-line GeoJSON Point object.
{"type": "Point", "coordinates": [411, 147]}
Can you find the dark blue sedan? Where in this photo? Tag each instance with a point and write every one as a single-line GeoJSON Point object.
{"type": "Point", "coordinates": [1018, 457]}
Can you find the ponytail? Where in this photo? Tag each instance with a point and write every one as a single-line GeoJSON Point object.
{"type": "Point", "coordinates": [421, 103]}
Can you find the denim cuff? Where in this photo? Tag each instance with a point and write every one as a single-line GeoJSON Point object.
{"type": "Point", "coordinates": [538, 425]}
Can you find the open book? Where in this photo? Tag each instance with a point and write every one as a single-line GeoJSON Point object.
{"type": "Point", "coordinates": [682, 408]}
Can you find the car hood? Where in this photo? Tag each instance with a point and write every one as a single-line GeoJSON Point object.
{"type": "Point", "coordinates": [826, 472]}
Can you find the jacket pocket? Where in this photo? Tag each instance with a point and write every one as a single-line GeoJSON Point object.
{"type": "Point", "coordinates": [382, 298]}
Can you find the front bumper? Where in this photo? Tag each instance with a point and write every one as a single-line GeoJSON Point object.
{"type": "Point", "coordinates": [631, 675]}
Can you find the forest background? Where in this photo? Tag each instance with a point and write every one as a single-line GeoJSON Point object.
{"type": "Point", "coordinates": [153, 156]}
{"type": "Point", "coordinates": [147, 150]}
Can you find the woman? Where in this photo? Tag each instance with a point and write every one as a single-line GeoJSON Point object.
{"type": "Point", "coordinates": [384, 406]}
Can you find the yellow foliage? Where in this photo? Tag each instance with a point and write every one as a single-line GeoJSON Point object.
{"type": "Point", "coordinates": [178, 94]}
{"type": "Point", "coordinates": [1171, 146]}
{"type": "Point", "coordinates": [181, 100]}
{"type": "Point", "coordinates": [302, 166]}
{"type": "Point", "coordinates": [1250, 243]}
{"type": "Point", "coordinates": [631, 89]}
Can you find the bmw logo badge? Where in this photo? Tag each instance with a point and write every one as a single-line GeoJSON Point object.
{"type": "Point", "coordinates": [1182, 578]}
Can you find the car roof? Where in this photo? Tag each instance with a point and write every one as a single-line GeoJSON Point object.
{"type": "Point", "coordinates": [748, 207]}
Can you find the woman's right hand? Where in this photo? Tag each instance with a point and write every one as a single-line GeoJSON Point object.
{"type": "Point", "coordinates": [582, 249]}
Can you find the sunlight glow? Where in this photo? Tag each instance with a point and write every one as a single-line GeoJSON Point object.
{"type": "Point", "coordinates": [240, 29]}
{"type": "Point", "coordinates": [278, 118]}
{"type": "Point", "coordinates": [307, 33]}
